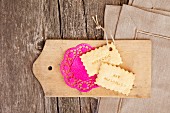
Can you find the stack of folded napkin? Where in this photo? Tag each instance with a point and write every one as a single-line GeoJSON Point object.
{"type": "Point", "coordinates": [146, 20]}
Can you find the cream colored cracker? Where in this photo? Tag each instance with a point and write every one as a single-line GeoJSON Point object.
{"type": "Point", "coordinates": [93, 59]}
{"type": "Point", "coordinates": [115, 78]}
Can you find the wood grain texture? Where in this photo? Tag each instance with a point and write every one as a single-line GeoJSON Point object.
{"type": "Point", "coordinates": [51, 105]}
{"type": "Point", "coordinates": [72, 26]}
{"type": "Point", "coordinates": [73, 19]}
{"type": "Point", "coordinates": [24, 25]}
{"type": "Point", "coordinates": [20, 91]}
{"type": "Point", "coordinates": [53, 83]}
{"type": "Point", "coordinates": [71, 105]}
{"type": "Point", "coordinates": [88, 105]}
{"type": "Point", "coordinates": [87, 7]}
{"type": "Point", "coordinates": [97, 7]}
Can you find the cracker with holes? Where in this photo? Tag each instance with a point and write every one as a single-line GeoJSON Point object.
{"type": "Point", "coordinates": [116, 78]}
{"type": "Point", "coordinates": [93, 59]}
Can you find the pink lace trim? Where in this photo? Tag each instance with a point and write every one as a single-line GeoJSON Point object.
{"type": "Point", "coordinates": [73, 70]}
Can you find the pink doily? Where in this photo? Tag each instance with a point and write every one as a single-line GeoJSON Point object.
{"type": "Point", "coordinates": [73, 70]}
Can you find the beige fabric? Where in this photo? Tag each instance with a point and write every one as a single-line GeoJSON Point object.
{"type": "Point", "coordinates": [160, 102]}
{"type": "Point", "coordinates": [131, 22]}
{"type": "Point", "coordinates": [108, 105]}
{"type": "Point", "coordinates": [110, 19]}
{"type": "Point", "coordinates": [166, 13]}
{"type": "Point", "coordinates": [137, 19]}
{"type": "Point", "coordinates": [151, 4]}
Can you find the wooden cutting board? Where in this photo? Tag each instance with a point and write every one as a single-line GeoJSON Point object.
{"type": "Point", "coordinates": [136, 55]}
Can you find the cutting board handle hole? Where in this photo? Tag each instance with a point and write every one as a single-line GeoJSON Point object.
{"type": "Point", "coordinates": [50, 68]}
{"type": "Point", "coordinates": [110, 49]}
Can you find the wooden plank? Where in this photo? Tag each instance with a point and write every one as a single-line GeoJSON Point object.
{"type": "Point", "coordinates": [91, 8]}
{"type": "Point", "coordinates": [97, 7]}
{"type": "Point", "coordinates": [71, 105]}
{"type": "Point", "coordinates": [72, 19]}
{"type": "Point", "coordinates": [136, 61]}
{"type": "Point", "coordinates": [51, 105]}
{"type": "Point", "coordinates": [20, 23]}
{"type": "Point", "coordinates": [76, 23]}
{"type": "Point", "coordinates": [88, 105]}
{"type": "Point", "coordinates": [72, 25]}
{"type": "Point", "coordinates": [49, 28]}
{"type": "Point", "coordinates": [31, 22]}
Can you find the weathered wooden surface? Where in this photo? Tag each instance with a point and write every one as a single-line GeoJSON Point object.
{"type": "Point", "coordinates": [24, 25]}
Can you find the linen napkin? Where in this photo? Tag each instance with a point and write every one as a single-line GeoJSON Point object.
{"type": "Point", "coordinates": [151, 4]}
{"type": "Point", "coordinates": [135, 23]}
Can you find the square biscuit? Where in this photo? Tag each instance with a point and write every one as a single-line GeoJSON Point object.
{"type": "Point", "coordinates": [93, 59]}
{"type": "Point", "coordinates": [114, 78]}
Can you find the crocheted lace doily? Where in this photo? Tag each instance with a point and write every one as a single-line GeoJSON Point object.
{"type": "Point", "coordinates": [73, 70]}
